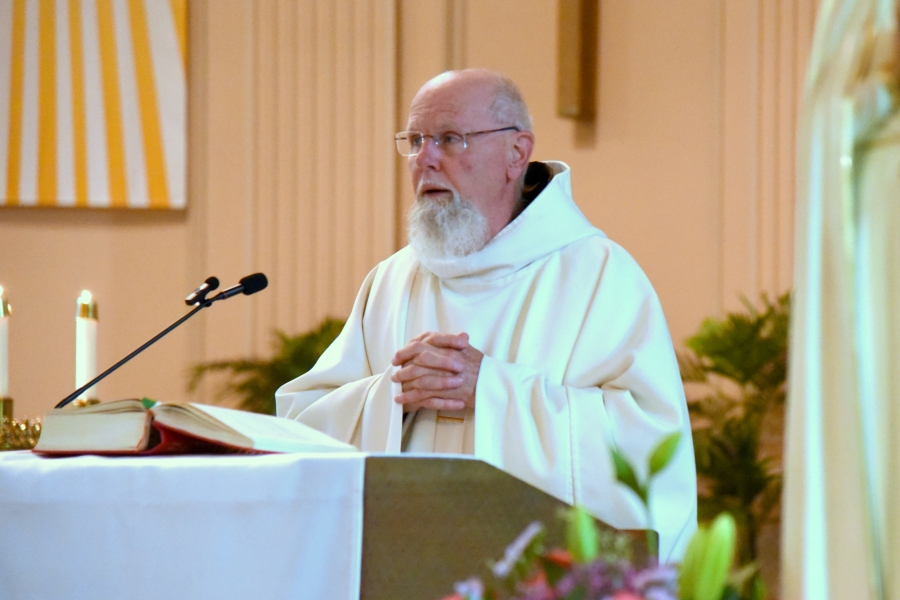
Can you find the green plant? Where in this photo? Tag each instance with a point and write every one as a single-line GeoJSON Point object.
{"type": "Point", "coordinates": [596, 563]}
{"type": "Point", "coordinates": [740, 363]}
{"type": "Point", "coordinates": [255, 381]}
{"type": "Point", "coordinates": [599, 563]}
{"type": "Point", "coordinates": [626, 474]}
{"type": "Point", "coordinates": [706, 572]}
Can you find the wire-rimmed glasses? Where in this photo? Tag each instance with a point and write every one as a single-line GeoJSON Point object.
{"type": "Point", "coordinates": [410, 143]}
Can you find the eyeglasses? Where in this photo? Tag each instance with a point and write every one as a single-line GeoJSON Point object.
{"type": "Point", "coordinates": [410, 143]}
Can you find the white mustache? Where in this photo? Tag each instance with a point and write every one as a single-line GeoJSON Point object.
{"type": "Point", "coordinates": [420, 189]}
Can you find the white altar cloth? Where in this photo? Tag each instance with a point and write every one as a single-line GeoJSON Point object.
{"type": "Point", "coordinates": [276, 526]}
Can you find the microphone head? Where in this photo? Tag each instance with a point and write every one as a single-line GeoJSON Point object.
{"type": "Point", "coordinates": [199, 295]}
{"type": "Point", "coordinates": [254, 283]}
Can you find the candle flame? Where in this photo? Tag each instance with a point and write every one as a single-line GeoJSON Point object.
{"type": "Point", "coordinates": [85, 297]}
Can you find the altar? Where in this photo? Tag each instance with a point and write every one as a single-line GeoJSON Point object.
{"type": "Point", "coordinates": [311, 526]}
{"type": "Point", "coordinates": [275, 526]}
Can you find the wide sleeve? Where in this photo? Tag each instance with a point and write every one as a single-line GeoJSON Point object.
{"type": "Point", "coordinates": [621, 388]}
{"type": "Point", "coordinates": [341, 395]}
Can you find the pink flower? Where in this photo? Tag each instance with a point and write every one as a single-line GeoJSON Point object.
{"type": "Point", "coordinates": [561, 558]}
{"type": "Point", "coordinates": [626, 595]}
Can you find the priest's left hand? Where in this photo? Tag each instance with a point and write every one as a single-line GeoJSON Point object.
{"type": "Point", "coordinates": [438, 371]}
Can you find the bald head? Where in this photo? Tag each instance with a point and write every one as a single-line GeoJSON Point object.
{"type": "Point", "coordinates": [503, 97]}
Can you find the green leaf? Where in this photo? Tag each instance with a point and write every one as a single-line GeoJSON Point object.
{"type": "Point", "coordinates": [625, 475]}
{"type": "Point", "coordinates": [664, 452]}
{"type": "Point", "coordinates": [729, 593]}
{"type": "Point", "coordinates": [689, 570]}
{"type": "Point", "coordinates": [581, 535]}
{"type": "Point", "coordinates": [717, 559]}
{"type": "Point", "coordinates": [553, 571]}
{"type": "Point", "coordinates": [736, 368]}
{"type": "Point", "coordinates": [747, 582]}
{"type": "Point", "coordinates": [758, 589]}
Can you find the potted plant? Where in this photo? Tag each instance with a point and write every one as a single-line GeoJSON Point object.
{"type": "Point", "coordinates": [735, 374]}
{"type": "Point", "coordinates": [254, 382]}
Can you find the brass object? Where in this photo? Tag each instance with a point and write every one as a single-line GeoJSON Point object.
{"type": "Point", "coordinates": [576, 59]}
{"type": "Point", "coordinates": [5, 308]}
{"type": "Point", "coordinates": [6, 408]}
{"type": "Point", "coordinates": [16, 435]}
{"type": "Point", "coordinates": [82, 402]}
{"type": "Point", "coordinates": [450, 418]}
{"type": "Point", "coordinates": [87, 310]}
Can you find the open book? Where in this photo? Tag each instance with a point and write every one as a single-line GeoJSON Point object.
{"type": "Point", "coordinates": [147, 427]}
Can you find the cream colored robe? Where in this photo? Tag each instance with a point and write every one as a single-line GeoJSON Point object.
{"type": "Point", "coordinates": [577, 358]}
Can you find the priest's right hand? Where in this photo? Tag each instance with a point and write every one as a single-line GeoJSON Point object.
{"type": "Point", "coordinates": [437, 371]}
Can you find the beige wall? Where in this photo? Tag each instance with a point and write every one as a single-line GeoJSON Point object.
{"type": "Point", "coordinates": [292, 171]}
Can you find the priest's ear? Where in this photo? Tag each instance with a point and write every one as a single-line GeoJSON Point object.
{"type": "Point", "coordinates": [519, 154]}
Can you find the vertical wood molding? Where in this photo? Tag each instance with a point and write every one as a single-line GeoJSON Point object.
{"type": "Point", "coordinates": [740, 66]}
{"type": "Point", "coordinates": [325, 191]}
{"type": "Point", "coordinates": [765, 45]}
{"type": "Point", "coordinates": [299, 178]}
{"type": "Point", "coordinates": [226, 160]}
{"type": "Point", "coordinates": [455, 34]}
{"type": "Point", "coordinates": [197, 170]}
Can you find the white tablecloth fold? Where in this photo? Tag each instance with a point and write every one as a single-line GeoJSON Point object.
{"type": "Point", "coordinates": [276, 526]}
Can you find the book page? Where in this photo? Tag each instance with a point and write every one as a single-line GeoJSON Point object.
{"type": "Point", "coordinates": [116, 406]}
{"type": "Point", "coordinates": [274, 434]}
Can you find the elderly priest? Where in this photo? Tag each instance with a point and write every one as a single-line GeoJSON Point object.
{"type": "Point", "coordinates": [510, 328]}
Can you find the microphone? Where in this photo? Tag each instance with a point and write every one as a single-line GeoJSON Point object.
{"type": "Point", "coordinates": [248, 285]}
{"type": "Point", "coordinates": [199, 295]}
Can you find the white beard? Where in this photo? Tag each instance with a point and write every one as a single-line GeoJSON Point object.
{"type": "Point", "coordinates": [441, 229]}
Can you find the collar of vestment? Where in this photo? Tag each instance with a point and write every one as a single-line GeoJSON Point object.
{"type": "Point", "coordinates": [549, 222]}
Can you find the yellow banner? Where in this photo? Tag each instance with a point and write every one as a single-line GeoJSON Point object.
{"type": "Point", "coordinates": [93, 103]}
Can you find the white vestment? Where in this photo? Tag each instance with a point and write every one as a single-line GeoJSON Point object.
{"type": "Point", "coordinates": [577, 358]}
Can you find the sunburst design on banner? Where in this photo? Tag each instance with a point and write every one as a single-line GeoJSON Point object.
{"type": "Point", "coordinates": [93, 103]}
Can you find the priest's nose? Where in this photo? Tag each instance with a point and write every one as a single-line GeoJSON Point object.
{"type": "Point", "coordinates": [429, 157]}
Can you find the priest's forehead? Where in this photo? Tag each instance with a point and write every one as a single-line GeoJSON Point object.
{"type": "Point", "coordinates": [458, 101]}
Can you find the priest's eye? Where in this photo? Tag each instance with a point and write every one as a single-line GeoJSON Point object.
{"type": "Point", "coordinates": [451, 140]}
{"type": "Point", "coordinates": [415, 141]}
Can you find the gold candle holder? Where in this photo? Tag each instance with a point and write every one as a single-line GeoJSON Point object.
{"type": "Point", "coordinates": [17, 435]}
{"type": "Point", "coordinates": [5, 311]}
{"type": "Point", "coordinates": [6, 409]}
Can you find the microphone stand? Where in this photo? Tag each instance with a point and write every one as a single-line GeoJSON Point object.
{"type": "Point", "coordinates": [102, 375]}
{"type": "Point", "coordinates": [248, 285]}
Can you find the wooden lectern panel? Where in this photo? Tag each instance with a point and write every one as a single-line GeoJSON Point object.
{"type": "Point", "coordinates": [430, 522]}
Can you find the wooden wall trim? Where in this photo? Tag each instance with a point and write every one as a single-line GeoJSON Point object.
{"type": "Point", "coordinates": [299, 161]}
{"type": "Point", "coordinates": [765, 45]}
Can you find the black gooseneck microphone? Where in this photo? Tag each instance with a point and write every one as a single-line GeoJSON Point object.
{"type": "Point", "coordinates": [248, 285]}
{"type": "Point", "coordinates": [199, 295]}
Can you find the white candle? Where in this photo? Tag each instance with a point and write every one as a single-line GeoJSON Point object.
{"type": "Point", "coordinates": [86, 344]}
{"type": "Point", "coordinates": [4, 345]}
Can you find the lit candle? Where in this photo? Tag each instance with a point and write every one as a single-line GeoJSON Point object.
{"type": "Point", "coordinates": [86, 344]}
{"type": "Point", "coordinates": [5, 310]}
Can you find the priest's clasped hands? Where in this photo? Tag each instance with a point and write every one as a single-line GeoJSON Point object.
{"type": "Point", "coordinates": [437, 371]}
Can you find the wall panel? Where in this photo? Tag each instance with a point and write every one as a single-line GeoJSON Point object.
{"type": "Point", "coordinates": [764, 53]}
{"type": "Point", "coordinates": [317, 204]}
